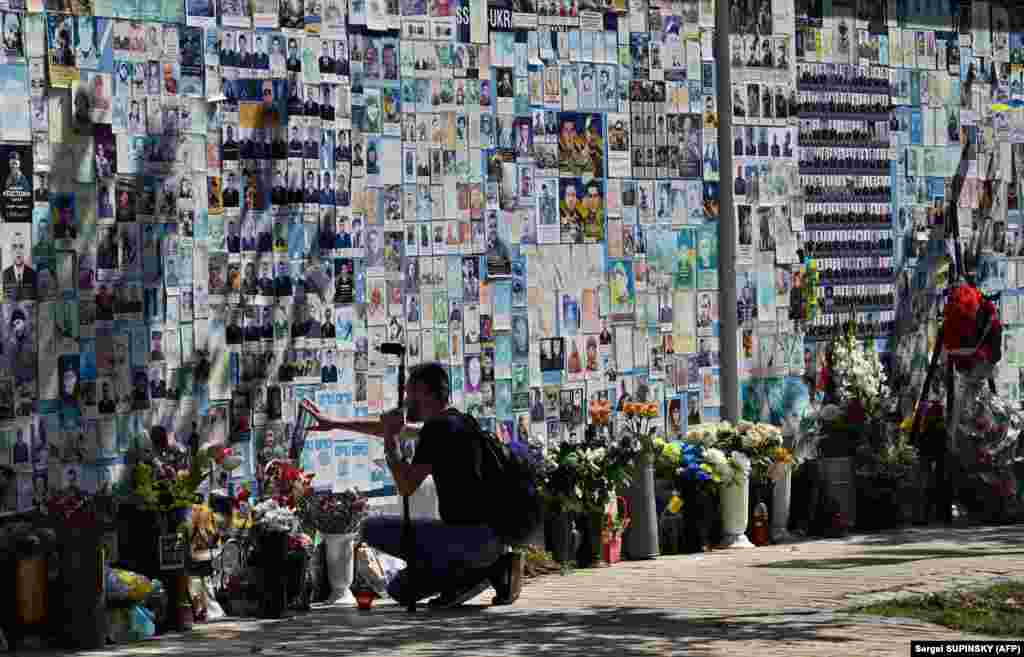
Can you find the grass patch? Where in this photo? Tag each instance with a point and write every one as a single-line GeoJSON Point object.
{"type": "Point", "coordinates": [997, 610]}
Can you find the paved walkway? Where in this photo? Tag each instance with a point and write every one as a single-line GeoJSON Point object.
{"type": "Point", "coordinates": [777, 600]}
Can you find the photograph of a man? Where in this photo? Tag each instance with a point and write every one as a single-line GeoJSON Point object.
{"type": "Point", "coordinates": [20, 280]}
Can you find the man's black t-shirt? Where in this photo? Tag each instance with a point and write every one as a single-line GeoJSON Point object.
{"type": "Point", "coordinates": [452, 448]}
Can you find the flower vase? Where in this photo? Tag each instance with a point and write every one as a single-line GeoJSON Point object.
{"type": "Point", "coordinates": [562, 544]}
{"type": "Point", "coordinates": [735, 514]}
{"type": "Point", "coordinates": [591, 552]}
{"type": "Point", "coordinates": [641, 538]}
{"type": "Point", "coordinates": [340, 567]}
{"type": "Point", "coordinates": [780, 507]}
{"type": "Point", "coordinates": [273, 552]}
{"type": "Point", "coordinates": [612, 547]}
{"type": "Point", "coordinates": [698, 519]}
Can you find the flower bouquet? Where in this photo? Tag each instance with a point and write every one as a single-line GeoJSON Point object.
{"type": "Point", "coordinates": [972, 332]}
{"type": "Point", "coordinates": [757, 441]}
{"type": "Point", "coordinates": [272, 516]}
{"type": "Point", "coordinates": [288, 485]}
{"type": "Point", "coordinates": [732, 469]}
{"type": "Point", "coordinates": [338, 513]}
{"type": "Point", "coordinates": [856, 393]}
{"type": "Point", "coordinates": [641, 426]}
{"type": "Point", "coordinates": [169, 482]}
{"type": "Point", "coordinates": [700, 474]}
{"type": "Point", "coordinates": [584, 476]}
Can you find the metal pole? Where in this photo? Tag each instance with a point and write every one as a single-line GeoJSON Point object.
{"type": "Point", "coordinates": [728, 338]}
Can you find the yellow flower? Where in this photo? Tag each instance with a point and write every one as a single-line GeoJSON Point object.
{"type": "Point", "coordinates": [782, 455]}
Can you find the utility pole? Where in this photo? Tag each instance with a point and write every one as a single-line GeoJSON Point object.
{"type": "Point", "coordinates": [728, 320]}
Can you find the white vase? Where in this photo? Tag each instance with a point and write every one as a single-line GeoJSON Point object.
{"type": "Point", "coordinates": [780, 507]}
{"type": "Point", "coordinates": [340, 567]}
{"type": "Point", "coordinates": [735, 514]}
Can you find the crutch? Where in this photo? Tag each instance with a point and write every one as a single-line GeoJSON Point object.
{"type": "Point", "coordinates": [408, 539]}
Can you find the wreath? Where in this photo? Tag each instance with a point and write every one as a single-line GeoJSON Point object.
{"type": "Point", "coordinates": [972, 332]}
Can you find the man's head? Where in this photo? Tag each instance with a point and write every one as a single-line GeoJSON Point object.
{"type": "Point", "coordinates": [18, 322]}
{"type": "Point", "coordinates": [427, 392]}
{"type": "Point", "coordinates": [18, 248]}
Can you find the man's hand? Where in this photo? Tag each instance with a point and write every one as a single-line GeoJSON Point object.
{"type": "Point", "coordinates": [323, 422]}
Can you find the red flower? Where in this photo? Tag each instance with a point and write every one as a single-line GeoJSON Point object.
{"type": "Point", "coordinates": [960, 316]}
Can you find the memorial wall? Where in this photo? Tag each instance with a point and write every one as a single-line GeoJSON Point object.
{"type": "Point", "coordinates": [214, 210]}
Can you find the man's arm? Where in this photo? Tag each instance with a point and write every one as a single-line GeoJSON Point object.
{"type": "Point", "coordinates": [367, 427]}
{"type": "Point", "coordinates": [408, 476]}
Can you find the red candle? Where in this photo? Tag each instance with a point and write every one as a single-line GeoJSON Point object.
{"type": "Point", "coordinates": [365, 599]}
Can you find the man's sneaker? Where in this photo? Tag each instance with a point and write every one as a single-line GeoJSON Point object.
{"type": "Point", "coordinates": [459, 596]}
{"type": "Point", "coordinates": [507, 578]}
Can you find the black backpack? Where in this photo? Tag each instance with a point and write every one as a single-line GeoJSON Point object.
{"type": "Point", "coordinates": [513, 480]}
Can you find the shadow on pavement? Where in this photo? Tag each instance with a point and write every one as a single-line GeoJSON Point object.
{"type": "Point", "coordinates": [481, 630]}
{"type": "Point", "coordinates": [890, 557]}
{"type": "Point", "coordinates": [1006, 535]}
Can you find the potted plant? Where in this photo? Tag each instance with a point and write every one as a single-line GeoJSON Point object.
{"type": "Point", "coordinates": [338, 517]}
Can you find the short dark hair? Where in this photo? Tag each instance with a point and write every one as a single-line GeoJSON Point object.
{"type": "Point", "coordinates": [434, 376]}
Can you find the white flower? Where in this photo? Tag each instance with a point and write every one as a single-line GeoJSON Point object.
{"type": "Point", "coordinates": [742, 461]}
{"type": "Point", "coordinates": [716, 458]}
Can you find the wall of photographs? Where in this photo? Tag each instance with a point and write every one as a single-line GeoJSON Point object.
{"type": "Point", "coordinates": [957, 98]}
{"type": "Point", "coordinates": [215, 210]}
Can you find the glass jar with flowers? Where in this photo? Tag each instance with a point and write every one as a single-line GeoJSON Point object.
{"type": "Point", "coordinates": [641, 426]}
